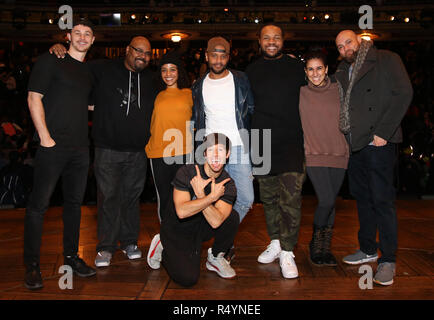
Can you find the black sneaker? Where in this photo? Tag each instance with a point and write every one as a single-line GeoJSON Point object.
{"type": "Point", "coordinates": [79, 266]}
{"type": "Point", "coordinates": [33, 279]}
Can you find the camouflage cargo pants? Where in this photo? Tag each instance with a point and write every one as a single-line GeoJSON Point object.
{"type": "Point", "coordinates": [281, 197]}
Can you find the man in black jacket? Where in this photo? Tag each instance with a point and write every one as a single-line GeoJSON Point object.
{"type": "Point", "coordinates": [375, 94]}
{"type": "Point", "coordinates": [223, 103]}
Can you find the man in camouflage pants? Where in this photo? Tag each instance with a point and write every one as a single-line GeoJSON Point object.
{"type": "Point", "coordinates": [275, 80]}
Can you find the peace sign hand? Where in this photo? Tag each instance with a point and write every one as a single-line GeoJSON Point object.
{"type": "Point", "coordinates": [199, 184]}
{"type": "Point", "coordinates": [218, 189]}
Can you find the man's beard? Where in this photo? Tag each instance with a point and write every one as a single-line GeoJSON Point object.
{"type": "Point", "coordinates": [352, 58]}
{"type": "Point", "coordinates": [138, 68]}
{"type": "Point", "coordinates": [218, 71]}
{"type": "Point", "coordinates": [266, 55]}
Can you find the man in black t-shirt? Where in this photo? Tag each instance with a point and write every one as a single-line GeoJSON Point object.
{"type": "Point", "coordinates": [58, 101]}
{"type": "Point", "coordinates": [276, 79]}
{"type": "Point", "coordinates": [203, 197]}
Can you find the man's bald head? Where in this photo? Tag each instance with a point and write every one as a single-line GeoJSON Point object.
{"type": "Point", "coordinates": [348, 43]}
{"type": "Point", "coordinates": [139, 40]}
{"type": "Point", "coordinates": [138, 54]}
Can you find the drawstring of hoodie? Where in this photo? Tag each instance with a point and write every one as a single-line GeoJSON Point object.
{"type": "Point", "coordinates": [129, 91]}
{"type": "Point", "coordinates": [138, 88]}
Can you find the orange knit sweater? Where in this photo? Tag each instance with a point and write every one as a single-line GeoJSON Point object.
{"type": "Point", "coordinates": [172, 112]}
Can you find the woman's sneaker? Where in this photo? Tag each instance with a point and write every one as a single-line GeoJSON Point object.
{"type": "Point", "coordinates": [154, 253]}
{"type": "Point", "coordinates": [220, 265]}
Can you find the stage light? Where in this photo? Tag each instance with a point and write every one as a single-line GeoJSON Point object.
{"type": "Point", "coordinates": [199, 21]}
{"type": "Point", "coordinates": [326, 16]}
{"type": "Point", "coordinates": [392, 18]}
{"type": "Point", "coordinates": [407, 19]}
{"type": "Point", "coordinates": [133, 16]}
{"type": "Point", "coordinates": [50, 21]}
{"type": "Point", "coordinates": [226, 10]}
{"type": "Point", "coordinates": [175, 38]}
{"type": "Point", "coordinates": [368, 36]}
{"type": "Point", "coordinates": [256, 20]}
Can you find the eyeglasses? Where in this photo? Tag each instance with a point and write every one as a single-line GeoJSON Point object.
{"type": "Point", "coordinates": [140, 51]}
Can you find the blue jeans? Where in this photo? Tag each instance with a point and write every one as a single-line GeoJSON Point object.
{"type": "Point", "coordinates": [239, 169]}
{"type": "Point", "coordinates": [370, 177]}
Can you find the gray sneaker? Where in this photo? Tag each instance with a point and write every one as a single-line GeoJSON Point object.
{"type": "Point", "coordinates": [385, 273]}
{"type": "Point", "coordinates": [360, 257]}
{"type": "Point", "coordinates": [103, 259]}
{"type": "Point", "coordinates": [132, 252]}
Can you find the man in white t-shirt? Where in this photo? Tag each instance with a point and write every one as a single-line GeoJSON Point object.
{"type": "Point", "coordinates": [223, 103]}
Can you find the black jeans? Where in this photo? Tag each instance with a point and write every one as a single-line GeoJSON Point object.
{"type": "Point", "coordinates": [327, 182]}
{"type": "Point", "coordinates": [51, 164]}
{"type": "Point", "coordinates": [370, 177]}
{"type": "Point", "coordinates": [181, 250]}
{"type": "Point", "coordinates": [120, 178]}
{"type": "Point", "coordinates": [164, 174]}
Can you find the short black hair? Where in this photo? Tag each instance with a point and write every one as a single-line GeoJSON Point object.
{"type": "Point", "coordinates": [84, 22]}
{"type": "Point", "coordinates": [268, 25]}
{"type": "Point", "coordinates": [316, 54]}
{"type": "Point", "coordinates": [215, 138]}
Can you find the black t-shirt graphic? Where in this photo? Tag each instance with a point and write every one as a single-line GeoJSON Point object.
{"type": "Point", "coordinates": [66, 85]}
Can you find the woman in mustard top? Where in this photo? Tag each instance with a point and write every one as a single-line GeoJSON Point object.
{"type": "Point", "coordinates": [171, 141]}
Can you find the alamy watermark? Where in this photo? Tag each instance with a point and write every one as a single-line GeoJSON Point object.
{"type": "Point", "coordinates": [249, 153]}
{"type": "Point", "coordinates": [367, 20]}
{"type": "Point", "coordinates": [66, 281]}
{"type": "Point", "coordinates": [366, 281]}
{"type": "Point", "coordinates": [66, 20]}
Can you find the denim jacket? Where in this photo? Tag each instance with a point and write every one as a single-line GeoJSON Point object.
{"type": "Point", "coordinates": [244, 104]}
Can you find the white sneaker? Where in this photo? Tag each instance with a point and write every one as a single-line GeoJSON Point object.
{"type": "Point", "coordinates": [271, 253]}
{"type": "Point", "coordinates": [154, 253]}
{"type": "Point", "coordinates": [220, 265]}
{"type": "Point", "coordinates": [287, 265]}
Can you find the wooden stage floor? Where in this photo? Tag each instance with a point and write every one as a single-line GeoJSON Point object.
{"type": "Point", "coordinates": [126, 280]}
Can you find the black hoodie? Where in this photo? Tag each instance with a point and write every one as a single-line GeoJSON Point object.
{"type": "Point", "coordinates": [124, 101]}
